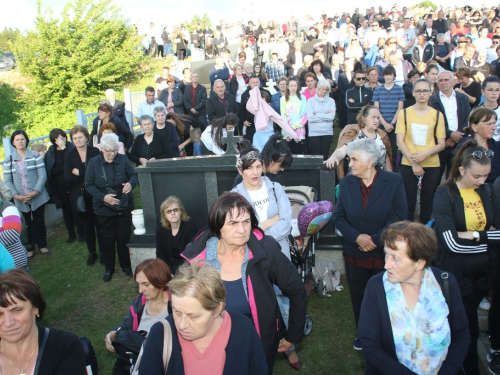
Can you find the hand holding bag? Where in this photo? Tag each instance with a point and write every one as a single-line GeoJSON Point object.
{"type": "Point", "coordinates": [122, 197]}
{"type": "Point", "coordinates": [81, 207]}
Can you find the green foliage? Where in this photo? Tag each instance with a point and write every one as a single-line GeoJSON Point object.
{"type": "Point", "coordinates": [204, 21]}
{"type": "Point", "coordinates": [426, 4]}
{"type": "Point", "coordinates": [9, 107]}
{"type": "Point", "coordinates": [8, 38]}
{"type": "Point", "coordinates": [73, 60]}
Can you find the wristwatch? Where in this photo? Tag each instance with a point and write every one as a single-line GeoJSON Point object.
{"type": "Point", "coordinates": [475, 234]}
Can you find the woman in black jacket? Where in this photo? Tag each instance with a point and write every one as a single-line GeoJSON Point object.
{"type": "Point", "coordinates": [110, 179]}
{"type": "Point", "coordinates": [172, 97]}
{"type": "Point", "coordinates": [465, 211]}
{"type": "Point", "coordinates": [150, 145]}
{"type": "Point", "coordinates": [75, 166]}
{"type": "Point", "coordinates": [173, 233]}
{"type": "Point", "coordinates": [57, 186]}
{"type": "Point", "coordinates": [250, 264]}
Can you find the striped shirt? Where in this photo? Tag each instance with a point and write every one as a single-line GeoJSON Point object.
{"type": "Point", "coordinates": [10, 233]}
{"type": "Point", "coordinates": [388, 101]}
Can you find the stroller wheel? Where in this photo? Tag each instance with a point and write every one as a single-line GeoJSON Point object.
{"type": "Point", "coordinates": [308, 326]}
{"type": "Point", "coordinates": [321, 288]}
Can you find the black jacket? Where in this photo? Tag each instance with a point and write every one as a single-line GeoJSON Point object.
{"type": "Point", "coordinates": [161, 149]}
{"type": "Point", "coordinates": [119, 111]}
{"type": "Point", "coordinates": [233, 84]}
{"type": "Point", "coordinates": [409, 98]}
{"type": "Point", "coordinates": [50, 160]}
{"type": "Point", "coordinates": [72, 160]}
{"type": "Point", "coordinates": [200, 100]}
{"type": "Point", "coordinates": [426, 56]}
{"type": "Point", "coordinates": [170, 133]}
{"type": "Point", "coordinates": [215, 109]}
{"type": "Point", "coordinates": [440, 26]}
{"type": "Point", "coordinates": [123, 132]}
{"type": "Point", "coordinates": [449, 218]}
{"type": "Point", "coordinates": [267, 266]}
{"type": "Point", "coordinates": [361, 96]}
{"type": "Point", "coordinates": [463, 111]}
{"type": "Point", "coordinates": [290, 61]}
{"type": "Point", "coordinates": [118, 172]}
{"type": "Point", "coordinates": [177, 99]}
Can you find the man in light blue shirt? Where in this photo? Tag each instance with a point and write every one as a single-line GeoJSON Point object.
{"type": "Point", "coordinates": [147, 107]}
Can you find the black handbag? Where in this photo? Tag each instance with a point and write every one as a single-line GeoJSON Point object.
{"type": "Point", "coordinates": [127, 344]}
{"type": "Point", "coordinates": [123, 205]}
{"type": "Point", "coordinates": [81, 207]}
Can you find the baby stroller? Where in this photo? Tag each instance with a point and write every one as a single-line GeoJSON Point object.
{"type": "Point", "coordinates": [308, 217]}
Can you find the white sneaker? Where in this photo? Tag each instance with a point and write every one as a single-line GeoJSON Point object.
{"type": "Point", "coordinates": [485, 304]}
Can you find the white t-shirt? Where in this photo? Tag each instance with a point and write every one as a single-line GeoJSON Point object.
{"type": "Point", "coordinates": [407, 36]}
{"type": "Point", "coordinates": [260, 200]}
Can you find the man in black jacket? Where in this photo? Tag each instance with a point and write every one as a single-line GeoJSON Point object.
{"type": "Point", "coordinates": [441, 24]}
{"type": "Point", "coordinates": [295, 59]}
{"type": "Point", "coordinates": [195, 99]}
{"type": "Point", "coordinates": [456, 109]}
{"type": "Point", "coordinates": [118, 106]}
{"type": "Point", "coordinates": [423, 51]}
{"type": "Point", "coordinates": [357, 97]}
{"type": "Point", "coordinates": [219, 103]}
{"type": "Point", "coordinates": [246, 117]}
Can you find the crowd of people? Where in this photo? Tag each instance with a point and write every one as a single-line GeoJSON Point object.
{"type": "Point", "coordinates": [415, 94]}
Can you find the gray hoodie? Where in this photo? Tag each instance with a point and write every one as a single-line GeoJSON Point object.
{"type": "Point", "coordinates": [320, 122]}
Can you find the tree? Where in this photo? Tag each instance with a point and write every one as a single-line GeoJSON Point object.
{"type": "Point", "coordinates": [203, 21]}
{"type": "Point", "coordinates": [72, 61]}
{"type": "Point", "coordinates": [8, 38]}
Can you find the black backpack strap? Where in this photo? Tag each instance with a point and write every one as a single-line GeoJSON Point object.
{"type": "Point", "coordinates": [435, 127]}
{"type": "Point", "coordinates": [406, 126]}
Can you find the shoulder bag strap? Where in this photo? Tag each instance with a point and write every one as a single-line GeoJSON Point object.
{"type": "Point", "coordinates": [446, 290]}
{"type": "Point", "coordinates": [436, 126]}
{"type": "Point", "coordinates": [40, 351]}
{"type": "Point", "coordinates": [167, 343]}
{"type": "Point", "coordinates": [104, 175]}
{"type": "Point", "coordinates": [406, 125]}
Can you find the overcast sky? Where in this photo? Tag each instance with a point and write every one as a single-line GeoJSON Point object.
{"type": "Point", "coordinates": [21, 13]}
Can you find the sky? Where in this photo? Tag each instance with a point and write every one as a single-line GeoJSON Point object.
{"type": "Point", "coordinates": [21, 14]}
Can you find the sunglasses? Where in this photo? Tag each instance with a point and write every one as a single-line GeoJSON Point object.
{"type": "Point", "coordinates": [172, 210]}
{"type": "Point", "coordinates": [478, 155]}
{"type": "Point", "coordinates": [393, 42]}
{"type": "Point", "coordinates": [495, 42]}
{"type": "Point", "coordinates": [360, 78]}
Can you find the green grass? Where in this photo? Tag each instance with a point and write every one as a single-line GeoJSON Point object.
{"type": "Point", "coordinates": [79, 301]}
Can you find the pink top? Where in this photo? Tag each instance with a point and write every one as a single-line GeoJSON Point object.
{"type": "Point", "coordinates": [307, 94]}
{"type": "Point", "coordinates": [169, 100]}
{"type": "Point", "coordinates": [214, 356]}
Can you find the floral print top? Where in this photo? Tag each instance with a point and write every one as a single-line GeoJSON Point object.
{"type": "Point", "coordinates": [294, 112]}
{"type": "Point", "coordinates": [422, 335]}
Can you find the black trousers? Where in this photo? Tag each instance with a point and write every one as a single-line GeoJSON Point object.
{"type": "Point", "coordinates": [494, 313]}
{"type": "Point", "coordinates": [113, 233]}
{"type": "Point", "coordinates": [446, 160]}
{"type": "Point", "coordinates": [320, 145]}
{"type": "Point", "coordinates": [69, 218]}
{"type": "Point", "coordinates": [474, 283]}
{"type": "Point", "coordinates": [296, 148]}
{"type": "Point", "coordinates": [394, 147]}
{"type": "Point", "coordinates": [429, 185]}
{"type": "Point", "coordinates": [357, 278]}
{"type": "Point", "coordinates": [35, 223]}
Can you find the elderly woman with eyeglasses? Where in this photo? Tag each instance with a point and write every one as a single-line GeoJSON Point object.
{"type": "Point", "coordinates": [110, 179]}
{"type": "Point", "coordinates": [173, 233]}
{"type": "Point", "coordinates": [150, 145]}
{"type": "Point", "coordinates": [466, 213]}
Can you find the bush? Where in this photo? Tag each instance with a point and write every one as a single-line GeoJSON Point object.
{"type": "Point", "coordinates": [72, 61]}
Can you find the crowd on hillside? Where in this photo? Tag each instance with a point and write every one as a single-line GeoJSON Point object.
{"type": "Point", "coordinates": [416, 96]}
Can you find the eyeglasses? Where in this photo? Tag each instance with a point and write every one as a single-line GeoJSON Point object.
{"type": "Point", "coordinates": [495, 42]}
{"type": "Point", "coordinates": [354, 40]}
{"type": "Point", "coordinates": [172, 210]}
{"type": "Point", "coordinates": [110, 151]}
{"type": "Point", "coordinates": [478, 155]}
{"type": "Point", "coordinates": [393, 42]}
{"type": "Point", "coordinates": [360, 78]}
{"type": "Point", "coordinates": [420, 92]}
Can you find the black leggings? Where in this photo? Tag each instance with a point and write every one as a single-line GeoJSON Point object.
{"type": "Point", "coordinates": [429, 185]}
{"type": "Point", "coordinates": [494, 313]}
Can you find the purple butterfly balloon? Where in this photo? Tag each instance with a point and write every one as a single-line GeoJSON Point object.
{"type": "Point", "coordinates": [314, 216]}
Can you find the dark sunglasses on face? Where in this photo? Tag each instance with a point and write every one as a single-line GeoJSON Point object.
{"type": "Point", "coordinates": [360, 78]}
{"type": "Point", "coordinates": [478, 155]}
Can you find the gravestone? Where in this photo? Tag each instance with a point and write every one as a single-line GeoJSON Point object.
{"type": "Point", "coordinates": [197, 181]}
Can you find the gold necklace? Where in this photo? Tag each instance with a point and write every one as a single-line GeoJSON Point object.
{"type": "Point", "coordinates": [22, 372]}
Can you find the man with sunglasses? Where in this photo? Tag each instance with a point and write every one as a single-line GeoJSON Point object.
{"type": "Point", "coordinates": [357, 97]}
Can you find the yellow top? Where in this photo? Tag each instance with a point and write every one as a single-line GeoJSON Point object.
{"type": "Point", "coordinates": [419, 132]}
{"type": "Point", "coordinates": [475, 217]}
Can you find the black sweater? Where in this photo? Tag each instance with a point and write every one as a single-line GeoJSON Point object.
{"type": "Point", "coordinates": [169, 246]}
{"type": "Point", "coordinates": [159, 146]}
{"type": "Point", "coordinates": [63, 353]}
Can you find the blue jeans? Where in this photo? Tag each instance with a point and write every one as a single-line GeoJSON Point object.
{"type": "Point", "coordinates": [196, 149]}
{"type": "Point", "coordinates": [284, 304]}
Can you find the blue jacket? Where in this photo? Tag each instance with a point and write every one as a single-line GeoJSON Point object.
{"type": "Point", "coordinates": [375, 330]}
{"type": "Point", "coordinates": [244, 351]}
{"type": "Point", "coordinates": [386, 205]}
{"type": "Point", "coordinates": [275, 102]}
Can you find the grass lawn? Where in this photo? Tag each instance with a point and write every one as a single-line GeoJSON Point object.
{"type": "Point", "coordinates": [79, 301]}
